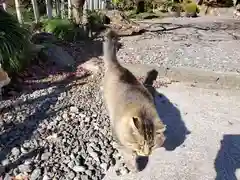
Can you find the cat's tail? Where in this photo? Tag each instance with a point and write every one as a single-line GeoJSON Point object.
{"type": "Point", "coordinates": [110, 48]}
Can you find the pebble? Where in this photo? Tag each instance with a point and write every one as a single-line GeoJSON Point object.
{"type": "Point", "coordinates": [79, 168]}
{"type": "Point", "coordinates": [15, 152]}
{"type": "Point", "coordinates": [124, 170]}
{"type": "Point", "coordinates": [84, 177]}
{"type": "Point", "coordinates": [71, 164]}
{"type": "Point", "coordinates": [79, 149]}
{"type": "Point", "coordinates": [46, 156]}
{"type": "Point", "coordinates": [7, 177]}
{"type": "Point", "coordinates": [65, 116]}
{"type": "Point", "coordinates": [71, 175]}
{"type": "Point", "coordinates": [35, 174]}
{"type": "Point", "coordinates": [88, 172]}
{"type": "Point", "coordinates": [104, 166]}
{"type": "Point", "coordinates": [23, 168]}
{"type": "Point", "coordinates": [74, 109]}
{"type": "Point", "coordinates": [5, 162]}
{"type": "Point", "coordinates": [46, 177]}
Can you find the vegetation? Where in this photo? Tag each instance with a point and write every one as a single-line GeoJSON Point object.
{"type": "Point", "coordinates": [61, 28]}
{"type": "Point", "coordinates": [14, 36]}
{"type": "Point", "coordinates": [14, 43]}
{"type": "Point", "coordinates": [190, 6]}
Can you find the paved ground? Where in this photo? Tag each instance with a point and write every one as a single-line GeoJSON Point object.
{"type": "Point", "coordinates": [205, 42]}
{"type": "Point", "coordinates": [65, 123]}
{"type": "Point", "coordinates": [213, 146]}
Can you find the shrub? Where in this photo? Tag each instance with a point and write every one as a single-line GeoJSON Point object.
{"type": "Point", "coordinates": [190, 6]}
{"type": "Point", "coordinates": [14, 43]}
{"type": "Point", "coordinates": [95, 18]}
{"type": "Point", "coordinates": [61, 28]}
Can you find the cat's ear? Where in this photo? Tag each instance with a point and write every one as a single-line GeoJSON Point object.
{"type": "Point", "coordinates": [136, 122]}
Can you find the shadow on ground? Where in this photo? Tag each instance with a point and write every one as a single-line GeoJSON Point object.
{"type": "Point", "coordinates": [170, 115]}
{"type": "Point", "coordinates": [44, 67]}
{"type": "Point", "coordinates": [15, 134]}
{"type": "Point", "coordinates": [228, 158]}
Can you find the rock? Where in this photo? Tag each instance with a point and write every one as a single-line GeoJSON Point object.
{"type": "Point", "coordinates": [91, 167]}
{"type": "Point", "coordinates": [46, 177]}
{"type": "Point", "coordinates": [27, 145]}
{"type": "Point", "coordinates": [92, 65]}
{"type": "Point", "coordinates": [94, 156]}
{"type": "Point", "coordinates": [65, 116]}
{"type": "Point", "coordinates": [87, 119]}
{"type": "Point", "coordinates": [7, 177]}
{"type": "Point", "coordinates": [5, 162]}
{"type": "Point", "coordinates": [124, 170]}
{"type": "Point", "coordinates": [72, 156]}
{"type": "Point", "coordinates": [35, 174]}
{"type": "Point", "coordinates": [59, 56]}
{"type": "Point", "coordinates": [43, 37]}
{"type": "Point", "coordinates": [82, 115]}
{"type": "Point", "coordinates": [71, 164]}
{"type": "Point", "coordinates": [24, 150]}
{"type": "Point", "coordinates": [24, 168]}
{"type": "Point", "coordinates": [84, 177]}
{"type": "Point", "coordinates": [104, 166]}
{"type": "Point", "coordinates": [45, 156]}
{"type": "Point", "coordinates": [15, 152]}
{"type": "Point", "coordinates": [89, 173]}
{"type": "Point", "coordinates": [74, 109]}
{"type": "Point", "coordinates": [79, 168]}
{"type": "Point", "coordinates": [71, 175]}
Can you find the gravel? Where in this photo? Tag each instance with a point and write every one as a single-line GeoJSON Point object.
{"type": "Point", "coordinates": [206, 45]}
{"type": "Point", "coordinates": [61, 131]}
{"type": "Point", "coordinates": [66, 127]}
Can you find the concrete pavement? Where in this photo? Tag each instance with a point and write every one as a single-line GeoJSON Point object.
{"type": "Point", "coordinates": [203, 136]}
{"type": "Point", "coordinates": [190, 75]}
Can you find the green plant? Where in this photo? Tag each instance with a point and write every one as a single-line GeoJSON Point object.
{"type": "Point", "coordinates": [95, 17]}
{"type": "Point", "coordinates": [190, 6]}
{"type": "Point", "coordinates": [14, 43]}
{"type": "Point", "coordinates": [61, 28]}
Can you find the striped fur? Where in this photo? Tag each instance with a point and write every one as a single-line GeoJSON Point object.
{"type": "Point", "coordinates": [134, 119]}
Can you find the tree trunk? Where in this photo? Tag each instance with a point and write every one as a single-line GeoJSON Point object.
{"type": "Point", "coordinates": [35, 10]}
{"type": "Point", "coordinates": [18, 11]}
{"type": "Point", "coordinates": [96, 4]}
{"type": "Point", "coordinates": [69, 9]}
{"type": "Point", "coordinates": [49, 9]}
{"type": "Point", "coordinates": [3, 5]}
{"type": "Point", "coordinates": [140, 6]}
{"type": "Point", "coordinates": [57, 7]}
{"type": "Point", "coordinates": [78, 10]}
{"type": "Point", "coordinates": [62, 9]}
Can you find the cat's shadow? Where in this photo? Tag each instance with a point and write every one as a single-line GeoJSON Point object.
{"type": "Point", "coordinates": [168, 112]}
{"type": "Point", "coordinates": [176, 131]}
{"type": "Point", "coordinates": [170, 115]}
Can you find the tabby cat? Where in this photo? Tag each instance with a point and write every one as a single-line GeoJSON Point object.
{"type": "Point", "coordinates": [134, 118]}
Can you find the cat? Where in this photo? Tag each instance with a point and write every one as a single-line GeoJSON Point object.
{"type": "Point", "coordinates": [134, 119]}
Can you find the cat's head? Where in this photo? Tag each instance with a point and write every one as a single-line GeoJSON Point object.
{"type": "Point", "coordinates": [145, 134]}
{"type": "Point", "coordinates": [4, 78]}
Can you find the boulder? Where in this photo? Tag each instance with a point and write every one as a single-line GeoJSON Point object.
{"type": "Point", "coordinates": [58, 56]}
